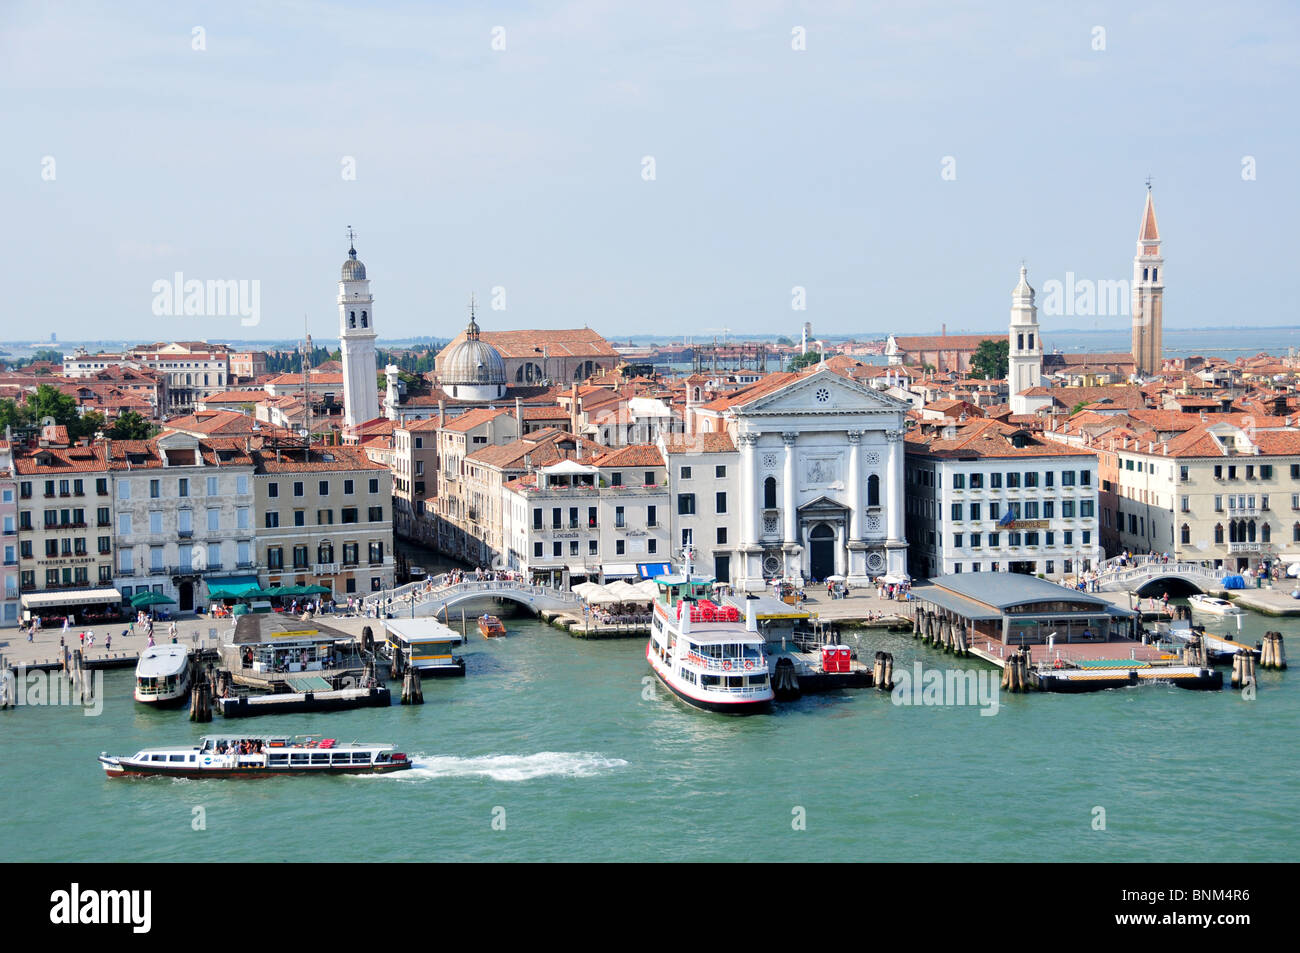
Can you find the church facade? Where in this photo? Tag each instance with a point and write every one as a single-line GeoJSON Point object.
{"type": "Point", "coordinates": [819, 478]}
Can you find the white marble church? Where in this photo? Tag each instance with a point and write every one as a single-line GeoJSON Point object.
{"type": "Point", "coordinates": [820, 477]}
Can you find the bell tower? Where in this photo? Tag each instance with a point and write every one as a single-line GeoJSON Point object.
{"type": "Point", "coordinates": [357, 340]}
{"type": "Point", "coordinates": [1025, 350]}
{"type": "Point", "coordinates": [1148, 295]}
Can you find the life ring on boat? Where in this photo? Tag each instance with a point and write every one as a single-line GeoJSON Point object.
{"type": "Point", "coordinates": [1058, 664]}
{"type": "Point", "coordinates": [749, 663]}
{"type": "Point", "coordinates": [727, 665]}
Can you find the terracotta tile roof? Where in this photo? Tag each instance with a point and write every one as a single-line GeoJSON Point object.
{"type": "Point", "coordinates": [633, 455]}
{"type": "Point", "coordinates": [51, 461]}
{"type": "Point", "coordinates": [320, 460]}
{"type": "Point", "coordinates": [945, 342]}
{"type": "Point", "coordinates": [700, 443]}
{"type": "Point", "coordinates": [475, 418]}
{"type": "Point", "coordinates": [988, 438]}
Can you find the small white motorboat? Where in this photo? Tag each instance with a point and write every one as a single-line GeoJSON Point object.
{"type": "Point", "coordinates": [1214, 605]}
{"type": "Point", "coordinates": [162, 676]}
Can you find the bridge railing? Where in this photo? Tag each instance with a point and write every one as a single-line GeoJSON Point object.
{"type": "Point", "coordinates": [1154, 569]}
{"type": "Point", "coordinates": [418, 594]}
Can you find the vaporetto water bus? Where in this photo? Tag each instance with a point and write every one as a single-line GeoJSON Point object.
{"type": "Point", "coordinates": [706, 654]}
{"type": "Point", "coordinates": [162, 676]}
{"type": "Point", "coordinates": [257, 756]}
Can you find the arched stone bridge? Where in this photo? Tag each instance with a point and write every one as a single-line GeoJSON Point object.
{"type": "Point", "coordinates": [1130, 578]}
{"type": "Point", "coordinates": [421, 599]}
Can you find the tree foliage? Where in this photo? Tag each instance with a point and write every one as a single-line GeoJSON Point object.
{"type": "Point", "coordinates": [131, 426]}
{"type": "Point", "coordinates": [806, 359]}
{"type": "Point", "coordinates": [990, 359]}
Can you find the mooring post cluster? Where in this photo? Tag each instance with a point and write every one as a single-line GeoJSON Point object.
{"type": "Point", "coordinates": [882, 672]}
{"type": "Point", "coordinates": [1272, 654]}
{"type": "Point", "coordinates": [1016, 674]}
{"type": "Point", "coordinates": [1243, 669]}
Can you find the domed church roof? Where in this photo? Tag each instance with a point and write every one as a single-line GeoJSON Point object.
{"type": "Point", "coordinates": [474, 361]}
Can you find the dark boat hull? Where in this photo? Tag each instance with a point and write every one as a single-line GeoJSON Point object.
{"type": "Point", "coordinates": [194, 774]}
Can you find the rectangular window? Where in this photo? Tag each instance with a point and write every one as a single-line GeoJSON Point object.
{"type": "Point", "coordinates": [718, 471]}
{"type": "Point", "coordinates": [300, 557]}
{"type": "Point", "coordinates": [212, 486]}
{"type": "Point", "coordinates": [1085, 478]}
{"type": "Point", "coordinates": [686, 504]}
{"type": "Point", "coordinates": [214, 519]}
{"type": "Point", "coordinates": [1049, 478]}
{"type": "Point", "coordinates": [720, 503]}
{"type": "Point", "coordinates": [124, 524]}
{"type": "Point", "coordinates": [977, 481]}
{"type": "Point", "coordinates": [124, 490]}
{"type": "Point", "coordinates": [975, 539]}
{"type": "Point", "coordinates": [1013, 481]}
{"type": "Point", "coordinates": [537, 550]}
{"type": "Point", "coordinates": [155, 489]}
{"type": "Point", "coordinates": [616, 478]}
{"type": "Point", "coordinates": [686, 473]}
{"type": "Point", "coordinates": [537, 518]}
{"type": "Point", "coordinates": [956, 540]}
{"type": "Point", "coordinates": [374, 484]}
{"type": "Point", "coordinates": [557, 548]}
{"type": "Point", "coordinates": [347, 487]}
{"type": "Point", "coordinates": [376, 514]}
{"type": "Point", "coordinates": [1085, 509]}
{"type": "Point", "coordinates": [652, 546]}
{"type": "Point", "coordinates": [272, 519]}
{"type": "Point", "coordinates": [959, 481]}
{"type": "Point", "coordinates": [273, 490]}
{"type": "Point", "coordinates": [183, 486]}
{"type": "Point", "coordinates": [652, 516]}
{"type": "Point", "coordinates": [619, 518]}
{"type": "Point", "coordinates": [298, 488]}
{"type": "Point", "coordinates": [619, 547]}
{"type": "Point", "coordinates": [376, 552]}
{"type": "Point", "coordinates": [323, 488]}
{"type": "Point", "coordinates": [995, 481]}
{"type": "Point", "coordinates": [722, 535]}
{"type": "Point", "coordinates": [591, 547]}
{"type": "Point", "coordinates": [956, 512]}
{"type": "Point", "coordinates": [1031, 479]}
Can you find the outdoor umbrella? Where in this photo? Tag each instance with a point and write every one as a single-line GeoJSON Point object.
{"type": "Point", "coordinates": [143, 599]}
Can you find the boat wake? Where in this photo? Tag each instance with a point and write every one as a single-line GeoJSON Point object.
{"type": "Point", "coordinates": [509, 767]}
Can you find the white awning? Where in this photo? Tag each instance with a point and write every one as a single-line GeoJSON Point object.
{"type": "Point", "coordinates": [620, 569]}
{"type": "Point", "coordinates": [77, 597]}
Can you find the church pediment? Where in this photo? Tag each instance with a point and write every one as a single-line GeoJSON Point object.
{"type": "Point", "coordinates": [824, 392]}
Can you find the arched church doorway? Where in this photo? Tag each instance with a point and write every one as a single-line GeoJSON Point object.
{"type": "Point", "coordinates": [821, 552]}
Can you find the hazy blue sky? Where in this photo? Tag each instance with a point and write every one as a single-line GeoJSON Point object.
{"type": "Point", "coordinates": [522, 168]}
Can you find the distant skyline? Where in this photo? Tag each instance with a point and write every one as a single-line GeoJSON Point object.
{"type": "Point", "coordinates": [898, 168]}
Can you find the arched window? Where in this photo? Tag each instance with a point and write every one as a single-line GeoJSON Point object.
{"type": "Point", "coordinates": [1155, 274]}
{"type": "Point", "coordinates": [1218, 532]}
{"type": "Point", "coordinates": [697, 395]}
{"type": "Point", "coordinates": [1250, 531]}
{"type": "Point", "coordinates": [365, 321]}
{"type": "Point", "coordinates": [873, 490]}
{"type": "Point", "coordinates": [325, 552]}
{"type": "Point", "coordinates": [1265, 534]}
{"type": "Point", "coordinates": [352, 319]}
{"type": "Point", "coordinates": [1295, 533]}
{"type": "Point", "coordinates": [1186, 534]}
{"type": "Point", "coordinates": [769, 493]}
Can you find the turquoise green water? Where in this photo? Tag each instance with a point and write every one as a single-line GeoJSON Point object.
{"type": "Point", "coordinates": [552, 735]}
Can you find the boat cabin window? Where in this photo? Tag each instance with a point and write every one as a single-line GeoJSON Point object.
{"type": "Point", "coordinates": [300, 758]}
{"type": "Point", "coordinates": [279, 758]}
{"type": "Point", "coordinates": [710, 681]}
{"type": "Point", "coordinates": [341, 757]}
{"type": "Point", "coordinates": [361, 757]}
{"type": "Point", "coordinates": [320, 757]}
{"type": "Point", "coordinates": [176, 757]}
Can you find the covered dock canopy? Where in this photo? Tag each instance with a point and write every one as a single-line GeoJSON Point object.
{"type": "Point", "coordinates": [1019, 609]}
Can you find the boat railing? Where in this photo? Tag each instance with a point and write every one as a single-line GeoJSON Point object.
{"type": "Point", "coordinates": [731, 665]}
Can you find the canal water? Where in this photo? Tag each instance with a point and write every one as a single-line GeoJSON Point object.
{"type": "Point", "coordinates": [553, 748]}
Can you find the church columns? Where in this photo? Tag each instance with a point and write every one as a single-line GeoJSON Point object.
{"type": "Point", "coordinates": [855, 484]}
{"type": "Point", "coordinates": [748, 489]}
{"type": "Point", "coordinates": [894, 498]}
{"type": "Point", "coordinates": [787, 487]}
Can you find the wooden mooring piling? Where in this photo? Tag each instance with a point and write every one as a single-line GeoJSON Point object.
{"type": "Point", "coordinates": [1016, 674]}
{"type": "Point", "coordinates": [412, 692]}
{"type": "Point", "coordinates": [1243, 669]}
{"type": "Point", "coordinates": [882, 672]}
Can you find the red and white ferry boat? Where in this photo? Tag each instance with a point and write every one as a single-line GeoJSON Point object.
{"type": "Point", "coordinates": [259, 756]}
{"type": "Point", "coordinates": [706, 654]}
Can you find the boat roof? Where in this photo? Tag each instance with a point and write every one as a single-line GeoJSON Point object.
{"type": "Point", "coordinates": [422, 629]}
{"type": "Point", "coordinates": [766, 607]}
{"type": "Point", "coordinates": [714, 636]}
{"type": "Point", "coordinates": [679, 579]}
{"type": "Point", "coordinates": [275, 629]}
{"type": "Point", "coordinates": [162, 660]}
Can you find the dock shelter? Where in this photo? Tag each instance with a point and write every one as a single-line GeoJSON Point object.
{"type": "Point", "coordinates": [1017, 609]}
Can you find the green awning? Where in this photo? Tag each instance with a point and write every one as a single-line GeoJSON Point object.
{"type": "Point", "coordinates": [235, 587]}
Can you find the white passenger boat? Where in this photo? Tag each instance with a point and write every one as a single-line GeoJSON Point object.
{"type": "Point", "coordinates": [706, 654]}
{"type": "Point", "coordinates": [256, 756]}
{"type": "Point", "coordinates": [162, 676]}
{"type": "Point", "coordinates": [1214, 605]}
